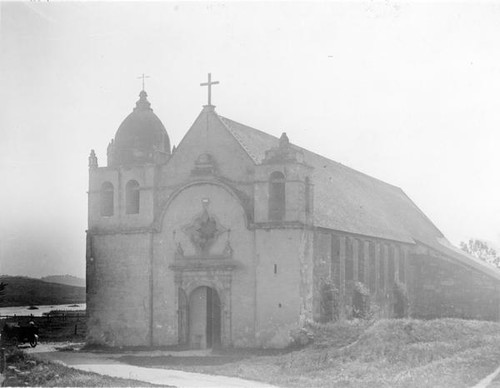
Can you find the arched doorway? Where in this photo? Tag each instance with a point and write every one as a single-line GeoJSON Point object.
{"type": "Point", "coordinates": [204, 318]}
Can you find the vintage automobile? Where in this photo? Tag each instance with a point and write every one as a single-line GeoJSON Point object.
{"type": "Point", "coordinates": [13, 332]}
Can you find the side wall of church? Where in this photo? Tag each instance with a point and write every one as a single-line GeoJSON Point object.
{"type": "Point", "coordinates": [442, 288]}
{"type": "Point", "coordinates": [436, 286]}
{"type": "Point", "coordinates": [343, 263]}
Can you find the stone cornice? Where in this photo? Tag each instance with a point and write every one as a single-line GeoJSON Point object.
{"type": "Point", "coordinates": [339, 232]}
{"type": "Point", "coordinates": [121, 230]}
{"type": "Point", "coordinates": [280, 225]}
{"type": "Point", "coordinates": [196, 263]}
{"type": "Point", "coordinates": [155, 229]}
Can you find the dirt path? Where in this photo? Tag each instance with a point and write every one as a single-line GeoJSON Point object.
{"type": "Point", "coordinates": [106, 364]}
{"type": "Point", "coordinates": [490, 381]}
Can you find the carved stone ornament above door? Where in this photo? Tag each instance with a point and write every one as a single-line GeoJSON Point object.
{"type": "Point", "coordinates": [204, 230]}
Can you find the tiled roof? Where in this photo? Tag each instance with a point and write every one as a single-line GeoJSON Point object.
{"type": "Point", "coordinates": [350, 201]}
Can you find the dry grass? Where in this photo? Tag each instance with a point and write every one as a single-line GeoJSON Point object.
{"type": "Point", "coordinates": [389, 353]}
{"type": "Point", "coordinates": [29, 371]}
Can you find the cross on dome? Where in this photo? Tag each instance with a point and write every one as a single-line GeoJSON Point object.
{"type": "Point", "coordinates": [143, 77]}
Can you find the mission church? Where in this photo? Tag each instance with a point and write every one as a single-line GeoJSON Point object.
{"type": "Point", "coordinates": [238, 238]}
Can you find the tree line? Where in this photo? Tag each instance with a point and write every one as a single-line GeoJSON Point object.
{"type": "Point", "coordinates": [481, 250]}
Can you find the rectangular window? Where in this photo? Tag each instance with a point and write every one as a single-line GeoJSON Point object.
{"type": "Point", "coordinates": [361, 261]}
{"type": "Point", "coordinates": [349, 266]}
{"type": "Point", "coordinates": [335, 260]}
{"type": "Point", "coordinates": [373, 269]}
{"type": "Point", "coordinates": [402, 266]}
{"type": "Point", "coordinates": [307, 196]}
{"type": "Point", "coordinates": [391, 266]}
{"type": "Point", "coordinates": [381, 268]}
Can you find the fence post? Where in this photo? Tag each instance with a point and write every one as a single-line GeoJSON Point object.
{"type": "Point", "coordinates": [2, 360]}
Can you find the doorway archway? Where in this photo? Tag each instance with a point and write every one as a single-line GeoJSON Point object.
{"type": "Point", "coordinates": [204, 318]}
{"type": "Point", "coordinates": [183, 317]}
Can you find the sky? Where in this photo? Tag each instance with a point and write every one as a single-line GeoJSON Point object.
{"type": "Point", "coordinates": [406, 92]}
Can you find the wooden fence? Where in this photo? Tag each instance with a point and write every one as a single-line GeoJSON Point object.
{"type": "Point", "coordinates": [55, 325]}
{"type": "Point", "coordinates": [64, 315]}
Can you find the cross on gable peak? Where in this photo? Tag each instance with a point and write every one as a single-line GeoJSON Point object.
{"type": "Point", "coordinates": [209, 83]}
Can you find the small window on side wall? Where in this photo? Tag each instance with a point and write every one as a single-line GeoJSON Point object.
{"type": "Point", "coordinates": [277, 196]}
{"type": "Point", "coordinates": [132, 197]}
{"type": "Point", "coordinates": [107, 199]}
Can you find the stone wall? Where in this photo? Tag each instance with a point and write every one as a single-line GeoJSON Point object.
{"type": "Point", "coordinates": [118, 177]}
{"type": "Point", "coordinates": [228, 266]}
{"type": "Point", "coordinates": [118, 292]}
{"type": "Point", "coordinates": [437, 286]}
{"type": "Point", "coordinates": [283, 284]}
{"type": "Point", "coordinates": [441, 287]}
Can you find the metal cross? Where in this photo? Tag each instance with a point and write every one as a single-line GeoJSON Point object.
{"type": "Point", "coordinates": [209, 84]}
{"type": "Point", "coordinates": [143, 77]}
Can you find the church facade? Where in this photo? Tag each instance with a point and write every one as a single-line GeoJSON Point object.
{"type": "Point", "coordinates": [232, 238]}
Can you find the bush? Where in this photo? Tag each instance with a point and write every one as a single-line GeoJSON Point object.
{"type": "Point", "coordinates": [14, 355]}
{"type": "Point", "coordinates": [338, 334]}
{"type": "Point", "coordinates": [301, 337]}
{"type": "Point", "coordinates": [360, 301]}
{"type": "Point", "coordinates": [401, 300]}
{"type": "Point", "coordinates": [330, 302]}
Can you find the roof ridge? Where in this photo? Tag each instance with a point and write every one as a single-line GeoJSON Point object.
{"type": "Point", "coordinates": [351, 168]}
{"type": "Point", "coordinates": [244, 125]}
{"type": "Point", "coordinates": [448, 249]}
{"type": "Point", "coordinates": [300, 148]}
{"type": "Point", "coordinates": [423, 214]}
{"type": "Point", "coordinates": [237, 137]}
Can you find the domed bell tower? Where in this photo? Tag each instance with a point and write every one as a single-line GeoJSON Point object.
{"type": "Point", "coordinates": [121, 195]}
{"type": "Point", "coordinates": [119, 238]}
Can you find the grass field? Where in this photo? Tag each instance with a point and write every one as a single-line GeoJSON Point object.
{"type": "Point", "coordinates": [388, 353]}
{"type": "Point", "coordinates": [55, 328]}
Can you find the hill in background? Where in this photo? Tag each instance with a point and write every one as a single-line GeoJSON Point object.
{"type": "Point", "coordinates": [25, 291]}
{"type": "Point", "coordinates": [69, 280]}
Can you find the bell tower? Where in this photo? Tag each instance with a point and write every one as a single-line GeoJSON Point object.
{"type": "Point", "coordinates": [283, 188]}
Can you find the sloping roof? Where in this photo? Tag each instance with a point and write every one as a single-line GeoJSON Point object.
{"type": "Point", "coordinates": [350, 201]}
